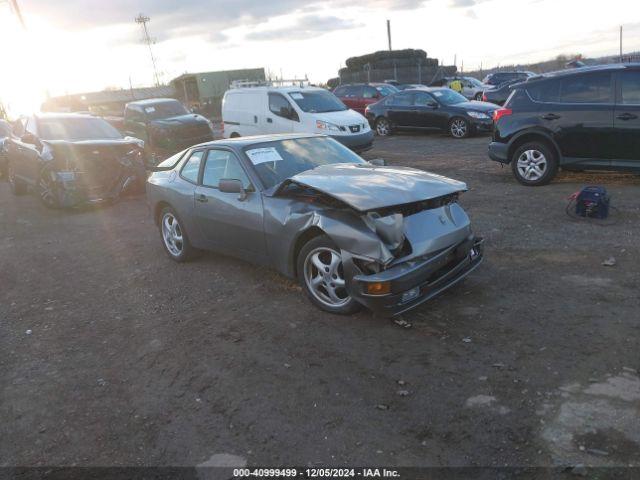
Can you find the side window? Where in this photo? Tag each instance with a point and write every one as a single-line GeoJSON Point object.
{"type": "Point", "coordinates": [547, 92]}
{"type": "Point", "coordinates": [280, 106]}
{"type": "Point", "coordinates": [353, 92]}
{"type": "Point", "coordinates": [422, 99]}
{"type": "Point", "coordinates": [192, 167]}
{"type": "Point", "coordinates": [370, 92]}
{"type": "Point", "coordinates": [630, 88]}
{"type": "Point", "coordinates": [31, 126]}
{"type": "Point", "coordinates": [222, 164]}
{"type": "Point", "coordinates": [340, 91]}
{"type": "Point", "coordinates": [592, 88]}
{"type": "Point", "coordinates": [402, 100]}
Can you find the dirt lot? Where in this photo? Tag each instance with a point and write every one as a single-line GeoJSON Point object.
{"type": "Point", "coordinates": [111, 354]}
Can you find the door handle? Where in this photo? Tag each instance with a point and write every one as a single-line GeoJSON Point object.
{"type": "Point", "coordinates": [202, 198]}
{"type": "Point", "coordinates": [269, 120]}
{"type": "Point", "coordinates": [551, 116]}
{"type": "Point", "coordinates": [627, 116]}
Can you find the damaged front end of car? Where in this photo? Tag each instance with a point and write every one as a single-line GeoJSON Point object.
{"type": "Point", "coordinates": [394, 256]}
{"type": "Point", "coordinates": [77, 173]}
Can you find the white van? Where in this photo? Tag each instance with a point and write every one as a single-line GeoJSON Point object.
{"type": "Point", "coordinates": [265, 110]}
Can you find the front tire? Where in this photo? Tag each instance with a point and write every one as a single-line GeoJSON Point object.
{"type": "Point", "coordinates": [534, 164]}
{"type": "Point", "coordinates": [174, 237]}
{"type": "Point", "coordinates": [478, 97]}
{"type": "Point", "coordinates": [321, 275]}
{"type": "Point", "coordinates": [48, 192]}
{"type": "Point", "coordinates": [383, 127]}
{"type": "Point", "coordinates": [17, 186]}
{"type": "Point", "coordinates": [459, 128]}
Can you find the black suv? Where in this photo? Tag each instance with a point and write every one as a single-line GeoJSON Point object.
{"type": "Point", "coordinates": [583, 119]}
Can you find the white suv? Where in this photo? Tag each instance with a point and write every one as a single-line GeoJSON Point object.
{"type": "Point", "coordinates": [267, 110]}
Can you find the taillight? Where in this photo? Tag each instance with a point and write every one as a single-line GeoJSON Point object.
{"type": "Point", "coordinates": [501, 112]}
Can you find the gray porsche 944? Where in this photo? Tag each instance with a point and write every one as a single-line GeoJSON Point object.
{"type": "Point", "coordinates": [352, 232]}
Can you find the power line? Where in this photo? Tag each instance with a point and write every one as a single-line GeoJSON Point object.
{"type": "Point", "coordinates": [143, 20]}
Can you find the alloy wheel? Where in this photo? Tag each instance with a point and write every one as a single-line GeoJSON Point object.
{"type": "Point", "coordinates": [382, 127]}
{"type": "Point", "coordinates": [324, 277]}
{"type": "Point", "coordinates": [47, 189]}
{"type": "Point", "coordinates": [459, 128]}
{"type": "Point", "coordinates": [172, 234]}
{"type": "Point", "coordinates": [532, 164]}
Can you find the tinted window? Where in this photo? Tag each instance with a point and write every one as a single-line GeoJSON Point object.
{"type": "Point", "coordinates": [222, 164]}
{"type": "Point", "coordinates": [164, 110]}
{"type": "Point", "coordinates": [192, 167]}
{"type": "Point", "coordinates": [319, 101]}
{"type": "Point", "coordinates": [402, 100]}
{"type": "Point", "coordinates": [370, 92]}
{"type": "Point", "coordinates": [386, 89]}
{"type": "Point", "coordinates": [340, 91]}
{"type": "Point", "coordinates": [422, 99]}
{"type": "Point", "coordinates": [274, 162]}
{"type": "Point", "coordinates": [593, 88]}
{"type": "Point", "coordinates": [75, 128]}
{"type": "Point", "coordinates": [133, 115]}
{"type": "Point", "coordinates": [353, 91]}
{"type": "Point", "coordinates": [630, 88]}
{"type": "Point", "coordinates": [548, 91]}
{"type": "Point", "coordinates": [278, 105]}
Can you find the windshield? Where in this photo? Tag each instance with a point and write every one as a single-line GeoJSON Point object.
{"type": "Point", "coordinates": [474, 81]}
{"type": "Point", "coordinates": [386, 89]}
{"type": "Point", "coordinates": [319, 101]}
{"type": "Point", "coordinates": [449, 97]}
{"type": "Point", "coordinates": [76, 129]}
{"type": "Point", "coordinates": [274, 162]}
{"type": "Point", "coordinates": [165, 110]}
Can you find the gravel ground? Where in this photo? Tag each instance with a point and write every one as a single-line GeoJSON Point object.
{"type": "Point", "coordinates": [111, 354]}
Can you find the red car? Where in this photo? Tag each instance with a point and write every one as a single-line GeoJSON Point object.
{"type": "Point", "coordinates": [359, 96]}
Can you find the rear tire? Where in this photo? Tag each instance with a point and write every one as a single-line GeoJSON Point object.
{"type": "Point", "coordinates": [321, 276]}
{"type": "Point", "coordinates": [534, 164]}
{"type": "Point", "coordinates": [478, 97]}
{"type": "Point", "coordinates": [17, 186]}
{"type": "Point", "coordinates": [174, 237]}
{"type": "Point", "coordinates": [234, 135]}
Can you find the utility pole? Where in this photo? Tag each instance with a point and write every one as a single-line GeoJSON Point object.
{"type": "Point", "coordinates": [389, 33]}
{"type": "Point", "coordinates": [620, 43]}
{"type": "Point", "coordinates": [16, 10]}
{"type": "Point", "coordinates": [143, 20]}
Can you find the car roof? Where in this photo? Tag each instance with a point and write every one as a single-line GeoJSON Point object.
{"type": "Point", "coordinates": [54, 115]}
{"type": "Point", "coordinates": [241, 142]}
{"type": "Point", "coordinates": [152, 101]}
{"type": "Point", "coordinates": [612, 67]}
{"type": "Point", "coordinates": [285, 89]}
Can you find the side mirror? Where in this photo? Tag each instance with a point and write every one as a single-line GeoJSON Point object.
{"type": "Point", "coordinates": [432, 104]}
{"type": "Point", "coordinates": [229, 185]}
{"type": "Point", "coordinates": [378, 162]}
{"type": "Point", "coordinates": [28, 138]}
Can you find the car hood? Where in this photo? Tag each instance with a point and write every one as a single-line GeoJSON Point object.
{"type": "Point", "coordinates": [367, 187]}
{"type": "Point", "coordinates": [188, 119]}
{"type": "Point", "coordinates": [342, 118]}
{"type": "Point", "coordinates": [474, 106]}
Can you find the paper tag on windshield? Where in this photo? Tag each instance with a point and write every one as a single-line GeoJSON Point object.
{"type": "Point", "coordinates": [297, 96]}
{"type": "Point", "coordinates": [263, 155]}
{"type": "Point", "coordinates": [437, 94]}
{"type": "Point", "coordinates": [149, 109]}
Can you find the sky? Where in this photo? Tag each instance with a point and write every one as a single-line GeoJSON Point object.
{"type": "Point", "coordinates": [75, 46]}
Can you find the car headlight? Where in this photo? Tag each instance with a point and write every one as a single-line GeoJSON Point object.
{"type": "Point", "coordinates": [322, 125]}
{"type": "Point", "coordinates": [478, 115]}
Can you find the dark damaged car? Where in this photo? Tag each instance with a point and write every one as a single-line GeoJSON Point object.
{"type": "Point", "coordinates": [352, 232]}
{"type": "Point", "coordinates": [166, 126]}
{"type": "Point", "coordinates": [73, 159]}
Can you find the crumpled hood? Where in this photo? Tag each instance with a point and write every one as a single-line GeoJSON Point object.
{"type": "Point", "coordinates": [368, 187]}
{"type": "Point", "coordinates": [188, 119]}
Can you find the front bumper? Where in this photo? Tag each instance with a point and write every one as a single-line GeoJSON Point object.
{"type": "Point", "coordinates": [358, 143]}
{"type": "Point", "coordinates": [499, 152]}
{"type": "Point", "coordinates": [430, 277]}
